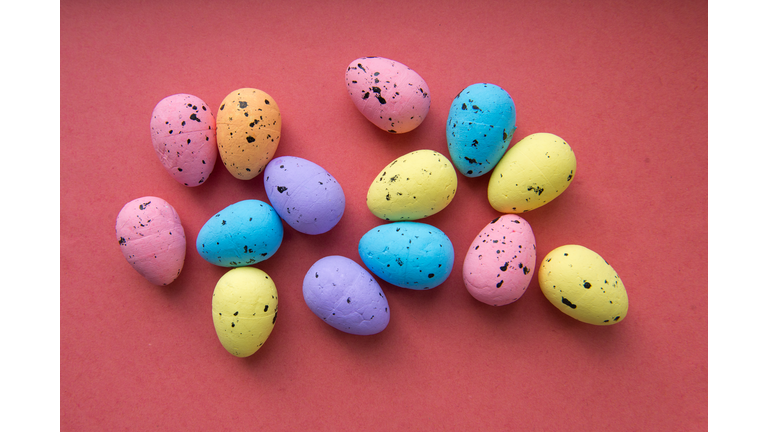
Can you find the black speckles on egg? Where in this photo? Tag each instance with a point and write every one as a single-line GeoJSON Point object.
{"type": "Point", "coordinates": [568, 303]}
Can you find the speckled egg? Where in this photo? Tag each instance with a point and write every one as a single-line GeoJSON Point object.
{"type": "Point", "coordinates": [152, 239]}
{"type": "Point", "coordinates": [582, 285]}
{"type": "Point", "coordinates": [531, 173]}
{"type": "Point", "coordinates": [248, 126]}
{"type": "Point", "coordinates": [480, 125]}
{"type": "Point", "coordinates": [345, 296]}
{"type": "Point", "coordinates": [388, 93]}
{"type": "Point", "coordinates": [183, 133]}
{"type": "Point", "coordinates": [413, 186]}
{"type": "Point", "coordinates": [244, 309]}
{"type": "Point", "coordinates": [304, 194]}
{"type": "Point", "coordinates": [499, 264]}
{"type": "Point", "coordinates": [408, 254]}
{"type": "Point", "coordinates": [242, 234]}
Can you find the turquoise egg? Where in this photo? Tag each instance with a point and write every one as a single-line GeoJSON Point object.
{"type": "Point", "coordinates": [480, 125]}
{"type": "Point", "coordinates": [242, 234]}
{"type": "Point", "coordinates": [408, 254]}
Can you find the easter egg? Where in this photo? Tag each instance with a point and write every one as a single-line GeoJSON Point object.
{"type": "Point", "coordinates": [345, 296]}
{"type": "Point", "coordinates": [183, 133]}
{"type": "Point", "coordinates": [151, 238]}
{"type": "Point", "coordinates": [244, 309]}
{"type": "Point", "coordinates": [242, 234]}
{"type": "Point", "coordinates": [248, 126]}
{"type": "Point", "coordinates": [408, 254]}
{"type": "Point", "coordinates": [582, 285]}
{"type": "Point", "coordinates": [531, 173]}
{"type": "Point", "coordinates": [388, 93]}
{"type": "Point", "coordinates": [480, 125]}
{"type": "Point", "coordinates": [413, 186]}
{"type": "Point", "coordinates": [499, 264]}
{"type": "Point", "coordinates": [304, 194]}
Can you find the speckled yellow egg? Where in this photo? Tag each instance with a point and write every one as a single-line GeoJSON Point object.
{"type": "Point", "coordinates": [583, 285]}
{"type": "Point", "coordinates": [413, 186]}
{"type": "Point", "coordinates": [244, 310]}
{"type": "Point", "coordinates": [532, 173]}
{"type": "Point", "coordinates": [248, 125]}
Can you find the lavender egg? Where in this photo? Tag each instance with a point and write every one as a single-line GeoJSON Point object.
{"type": "Point", "coordinates": [304, 194]}
{"type": "Point", "coordinates": [345, 296]}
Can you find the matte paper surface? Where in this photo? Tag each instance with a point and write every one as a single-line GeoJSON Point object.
{"type": "Point", "coordinates": [624, 83]}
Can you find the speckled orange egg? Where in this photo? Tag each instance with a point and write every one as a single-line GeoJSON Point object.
{"type": "Point", "coordinates": [248, 126]}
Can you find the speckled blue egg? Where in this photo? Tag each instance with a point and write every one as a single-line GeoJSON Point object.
{"type": "Point", "coordinates": [304, 194]}
{"type": "Point", "coordinates": [242, 234]}
{"type": "Point", "coordinates": [345, 296]}
{"type": "Point", "coordinates": [408, 254]}
{"type": "Point", "coordinates": [480, 125]}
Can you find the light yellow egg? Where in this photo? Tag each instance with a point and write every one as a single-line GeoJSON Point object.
{"type": "Point", "coordinates": [248, 126]}
{"type": "Point", "coordinates": [531, 173]}
{"type": "Point", "coordinates": [244, 309]}
{"type": "Point", "coordinates": [413, 186]}
{"type": "Point", "coordinates": [583, 285]}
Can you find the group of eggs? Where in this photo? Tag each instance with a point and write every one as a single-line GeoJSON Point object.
{"type": "Point", "coordinates": [245, 133]}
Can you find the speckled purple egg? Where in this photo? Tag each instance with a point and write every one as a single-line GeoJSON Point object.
{"type": "Point", "coordinates": [345, 296]}
{"type": "Point", "coordinates": [183, 134]}
{"type": "Point", "coordinates": [304, 194]}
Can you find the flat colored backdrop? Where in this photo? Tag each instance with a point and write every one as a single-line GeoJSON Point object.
{"type": "Point", "coordinates": [624, 82]}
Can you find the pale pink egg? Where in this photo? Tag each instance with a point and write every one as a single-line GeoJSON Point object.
{"type": "Point", "coordinates": [388, 93]}
{"type": "Point", "coordinates": [152, 239]}
{"type": "Point", "coordinates": [499, 264]}
{"type": "Point", "coordinates": [183, 132]}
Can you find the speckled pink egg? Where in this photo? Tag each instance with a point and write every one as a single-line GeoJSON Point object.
{"type": "Point", "coordinates": [184, 136]}
{"type": "Point", "coordinates": [388, 93]}
{"type": "Point", "coordinates": [499, 264]}
{"type": "Point", "coordinates": [152, 239]}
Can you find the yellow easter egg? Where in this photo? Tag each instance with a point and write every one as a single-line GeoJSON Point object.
{"type": "Point", "coordinates": [248, 125]}
{"type": "Point", "coordinates": [531, 173]}
{"type": "Point", "coordinates": [413, 186]}
{"type": "Point", "coordinates": [582, 285]}
{"type": "Point", "coordinates": [244, 309]}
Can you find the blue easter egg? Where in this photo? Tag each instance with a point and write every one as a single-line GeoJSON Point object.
{"type": "Point", "coordinates": [480, 125]}
{"type": "Point", "coordinates": [408, 254]}
{"type": "Point", "coordinates": [242, 234]}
